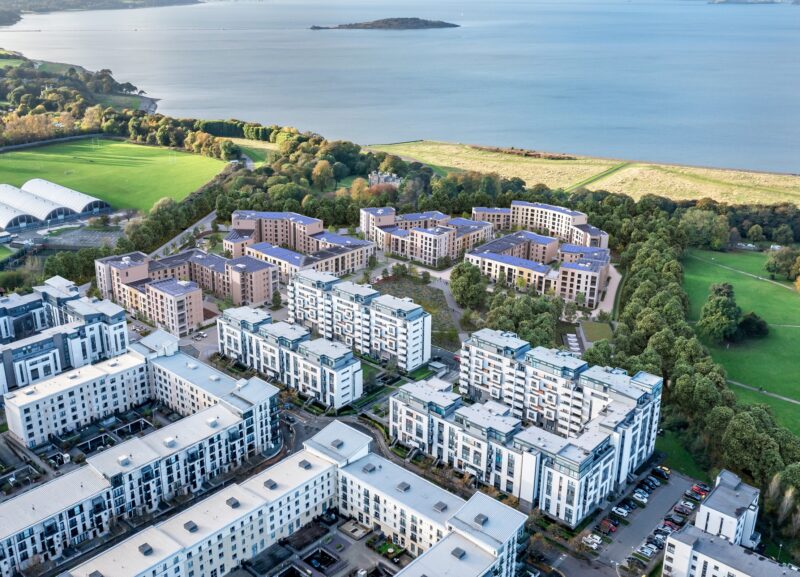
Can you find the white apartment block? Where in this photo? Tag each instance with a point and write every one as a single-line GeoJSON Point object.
{"type": "Point", "coordinates": [730, 511]}
{"type": "Point", "coordinates": [691, 552]}
{"type": "Point", "coordinates": [21, 316]}
{"type": "Point", "coordinates": [77, 332]}
{"type": "Point", "coordinates": [569, 225]}
{"type": "Point", "coordinates": [382, 326]}
{"type": "Point", "coordinates": [335, 468]}
{"type": "Point", "coordinates": [322, 369]}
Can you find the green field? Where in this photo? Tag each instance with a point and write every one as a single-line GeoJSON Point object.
{"type": "Point", "coordinates": [678, 458]}
{"type": "Point", "coordinates": [632, 178]}
{"type": "Point", "coordinates": [595, 331]}
{"type": "Point", "coordinates": [119, 101]}
{"type": "Point", "coordinates": [123, 174]}
{"type": "Point", "coordinates": [768, 363]}
{"type": "Point", "coordinates": [10, 62]}
{"type": "Point", "coordinates": [5, 252]}
{"type": "Point", "coordinates": [257, 150]}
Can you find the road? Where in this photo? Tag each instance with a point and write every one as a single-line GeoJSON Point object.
{"type": "Point", "coordinates": [204, 223]}
{"type": "Point", "coordinates": [607, 304]}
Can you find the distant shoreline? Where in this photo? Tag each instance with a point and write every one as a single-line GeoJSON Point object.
{"type": "Point", "coordinates": [391, 24]}
{"type": "Point", "coordinates": [11, 16]}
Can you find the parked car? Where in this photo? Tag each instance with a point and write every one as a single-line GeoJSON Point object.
{"type": "Point", "coordinates": [604, 529]}
{"type": "Point", "coordinates": [657, 472]}
{"type": "Point", "coordinates": [688, 504]}
{"type": "Point", "coordinates": [653, 480]}
{"type": "Point", "coordinates": [593, 545]}
{"type": "Point", "coordinates": [611, 520]}
{"type": "Point", "coordinates": [653, 542]}
{"type": "Point", "coordinates": [671, 525]}
{"type": "Point", "coordinates": [646, 551]}
{"type": "Point", "coordinates": [693, 495]}
{"type": "Point", "coordinates": [609, 525]}
{"type": "Point", "coordinates": [644, 487]}
{"type": "Point", "coordinates": [629, 504]}
{"type": "Point", "coordinates": [665, 529]}
{"type": "Point", "coordinates": [698, 489]}
{"type": "Point", "coordinates": [681, 510]}
{"type": "Point", "coordinates": [640, 497]}
{"type": "Point", "coordinates": [593, 537]}
{"type": "Point", "coordinates": [620, 512]}
{"type": "Point", "coordinates": [704, 487]}
{"type": "Point", "coordinates": [664, 469]}
{"type": "Point", "coordinates": [679, 520]}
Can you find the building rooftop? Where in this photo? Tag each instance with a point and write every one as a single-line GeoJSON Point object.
{"type": "Point", "coordinates": [326, 348]}
{"type": "Point", "coordinates": [128, 558]}
{"type": "Point", "coordinates": [164, 442]}
{"type": "Point", "coordinates": [338, 442]}
{"type": "Point", "coordinates": [592, 230]}
{"type": "Point", "coordinates": [491, 210]}
{"type": "Point", "coordinates": [287, 475]}
{"type": "Point", "coordinates": [338, 239]}
{"type": "Point", "coordinates": [465, 226]}
{"type": "Point", "coordinates": [248, 264]}
{"type": "Point", "coordinates": [531, 265]}
{"type": "Point", "coordinates": [487, 521]}
{"type": "Point", "coordinates": [731, 496]}
{"type": "Point", "coordinates": [284, 330]}
{"type": "Point", "coordinates": [582, 264]}
{"type": "Point", "coordinates": [91, 306]}
{"type": "Point", "coordinates": [253, 391]}
{"type": "Point", "coordinates": [424, 393]}
{"type": "Point", "coordinates": [394, 303]}
{"type": "Point", "coordinates": [556, 359]}
{"type": "Point", "coordinates": [395, 231]}
{"type": "Point", "coordinates": [312, 276]}
{"type": "Point", "coordinates": [58, 286]}
{"type": "Point", "coordinates": [280, 253]}
{"type": "Point", "coordinates": [405, 487]}
{"type": "Point", "coordinates": [734, 556]}
{"type": "Point", "coordinates": [123, 261]}
{"type": "Point", "coordinates": [507, 342]}
{"type": "Point", "coordinates": [544, 206]}
{"type": "Point", "coordinates": [44, 335]}
{"type": "Point", "coordinates": [265, 215]}
{"type": "Point", "coordinates": [453, 556]}
{"type": "Point", "coordinates": [414, 216]}
{"type": "Point", "coordinates": [174, 287]}
{"type": "Point", "coordinates": [198, 373]}
{"type": "Point", "coordinates": [158, 342]}
{"type": "Point", "coordinates": [351, 289]}
{"type": "Point", "coordinates": [49, 499]}
{"type": "Point", "coordinates": [489, 415]}
{"type": "Point", "coordinates": [433, 231]}
{"type": "Point", "coordinates": [379, 211]}
{"type": "Point", "coordinates": [210, 261]}
{"type": "Point", "coordinates": [239, 235]}
{"type": "Point", "coordinates": [616, 380]}
{"type": "Point", "coordinates": [248, 315]}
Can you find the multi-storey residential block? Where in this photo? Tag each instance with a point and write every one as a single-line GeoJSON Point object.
{"type": "Point", "coordinates": [55, 293]}
{"type": "Point", "coordinates": [335, 468]}
{"type": "Point", "coordinates": [568, 225]}
{"type": "Point", "coordinates": [500, 218]}
{"type": "Point", "coordinates": [730, 511]}
{"type": "Point", "coordinates": [94, 330]}
{"type": "Point", "coordinates": [21, 316]}
{"type": "Point", "coordinates": [173, 305]}
{"type": "Point", "coordinates": [287, 229]}
{"type": "Point", "coordinates": [345, 258]}
{"type": "Point", "coordinates": [319, 368]}
{"type": "Point", "coordinates": [430, 238]}
{"type": "Point", "coordinates": [690, 552]}
{"type": "Point", "coordinates": [382, 326]}
{"type": "Point", "coordinates": [567, 477]}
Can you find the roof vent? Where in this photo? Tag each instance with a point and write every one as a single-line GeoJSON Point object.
{"type": "Point", "coordinates": [31, 390]}
{"type": "Point", "coordinates": [145, 549]}
{"type": "Point", "coordinates": [270, 484]}
{"type": "Point", "coordinates": [169, 442]}
{"type": "Point", "coordinates": [440, 507]}
{"type": "Point", "coordinates": [190, 526]}
{"type": "Point", "coordinates": [403, 487]}
{"type": "Point", "coordinates": [480, 519]}
{"type": "Point", "coordinates": [191, 366]}
{"type": "Point", "coordinates": [304, 464]}
{"type": "Point", "coordinates": [458, 553]}
{"type": "Point", "coordinates": [123, 460]}
{"type": "Point", "coordinates": [96, 574]}
{"type": "Point", "coordinates": [337, 443]}
{"type": "Point", "coordinates": [214, 378]}
{"type": "Point", "coordinates": [232, 502]}
{"type": "Point", "coordinates": [368, 468]}
{"type": "Point", "coordinates": [212, 422]}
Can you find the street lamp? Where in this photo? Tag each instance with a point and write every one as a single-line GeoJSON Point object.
{"type": "Point", "coordinates": [780, 549]}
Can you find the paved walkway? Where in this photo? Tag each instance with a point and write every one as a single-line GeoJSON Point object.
{"type": "Point", "coordinates": [751, 275]}
{"type": "Point", "coordinates": [455, 311]}
{"type": "Point", "coordinates": [765, 393]}
{"type": "Point", "coordinates": [607, 304]}
{"type": "Point", "coordinates": [204, 223]}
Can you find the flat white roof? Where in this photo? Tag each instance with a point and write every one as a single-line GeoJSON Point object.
{"type": "Point", "coordinates": [453, 556]}
{"type": "Point", "coordinates": [127, 559]}
{"type": "Point", "coordinates": [487, 521]}
{"type": "Point", "coordinates": [420, 496]}
{"type": "Point", "coordinates": [166, 441]}
{"type": "Point", "coordinates": [287, 476]}
{"type": "Point", "coordinates": [72, 379]}
{"type": "Point", "coordinates": [49, 499]}
{"type": "Point", "coordinates": [338, 442]}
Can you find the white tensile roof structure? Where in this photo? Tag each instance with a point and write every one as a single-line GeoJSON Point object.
{"type": "Point", "coordinates": [67, 197]}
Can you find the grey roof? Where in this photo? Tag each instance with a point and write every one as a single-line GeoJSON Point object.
{"type": "Point", "coordinates": [157, 341]}
{"type": "Point", "coordinates": [326, 348]}
{"type": "Point", "coordinates": [488, 521]}
{"type": "Point", "coordinates": [248, 264]}
{"type": "Point", "coordinates": [731, 496]}
{"type": "Point", "coordinates": [174, 287]}
{"type": "Point", "coordinates": [453, 556]}
{"type": "Point", "coordinates": [353, 289]}
{"type": "Point", "coordinates": [339, 442]}
{"type": "Point", "coordinates": [421, 497]}
{"type": "Point", "coordinates": [247, 314]}
{"type": "Point", "coordinates": [425, 393]}
{"type": "Point", "coordinates": [284, 330]}
{"type": "Point", "coordinates": [394, 303]}
{"type": "Point", "coordinates": [501, 339]}
{"type": "Point", "coordinates": [556, 358]}
{"type": "Point", "coordinates": [489, 415]}
{"type": "Point", "coordinates": [727, 553]}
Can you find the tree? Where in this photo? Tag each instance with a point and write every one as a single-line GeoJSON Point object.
{"type": "Point", "coordinates": [570, 311]}
{"type": "Point", "coordinates": [753, 326]}
{"type": "Point", "coordinates": [372, 262]}
{"type": "Point", "coordinates": [783, 235]}
{"type": "Point", "coordinates": [426, 277]}
{"type": "Point", "coordinates": [782, 261]}
{"type": "Point", "coordinates": [276, 300]}
{"type": "Point", "coordinates": [399, 270]}
{"type": "Point", "coordinates": [755, 233]}
{"type": "Point", "coordinates": [468, 286]}
{"type": "Point", "coordinates": [720, 316]}
{"type": "Point", "coordinates": [322, 175]}
{"type": "Point", "coordinates": [705, 229]}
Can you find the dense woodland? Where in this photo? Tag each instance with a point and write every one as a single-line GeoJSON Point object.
{"type": "Point", "coordinates": [647, 236]}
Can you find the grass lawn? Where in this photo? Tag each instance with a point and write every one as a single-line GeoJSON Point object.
{"type": "Point", "coordinates": [678, 458]}
{"type": "Point", "coordinates": [369, 372]}
{"type": "Point", "coordinates": [771, 362]}
{"type": "Point", "coordinates": [5, 252]}
{"type": "Point", "coordinates": [119, 101]}
{"type": "Point", "coordinates": [258, 150]}
{"type": "Point", "coordinates": [443, 331]}
{"type": "Point", "coordinates": [635, 178]}
{"type": "Point", "coordinates": [595, 331]}
{"type": "Point", "coordinates": [420, 373]}
{"type": "Point", "coordinates": [123, 174]}
{"type": "Point", "coordinates": [10, 62]}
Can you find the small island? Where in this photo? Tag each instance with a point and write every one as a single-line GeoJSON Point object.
{"type": "Point", "coordinates": [391, 24]}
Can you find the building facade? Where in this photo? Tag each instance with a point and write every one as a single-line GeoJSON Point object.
{"type": "Point", "coordinates": [319, 368]}
{"type": "Point", "coordinates": [383, 326]}
{"type": "Point", "coordinates": [570, 226]}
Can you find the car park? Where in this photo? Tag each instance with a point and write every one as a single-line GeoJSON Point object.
{"type": "Point", "coordinates": [646, 551]}
{"type": "Point", "coordinates": [620, 512]}
{"type": "Point", "coordinates": [693, 495]}
{"type": "Point", "coordinates": [679, 520]}
{"type": "Point", "coordinates": [688, 504]}
{"type": "Point", "coordinates": [629, 504]}
{"type": "Point", "coordinates": [703, 487]}
{"type": "Point", "coordinates": [658, 472]}
{"type": "Point", "coordinates": [611, 520]}
{"type": "Point", "coordinates": [671, 525]}
{"type": "Point", "coordinates": [605, 530]}
{"type": "Point", "coordinates": [605, 523]}
{"type": "Point", "coordinates": [653, 542]}
{"type": "Point", "coordinates": [653, 480]}
{"type": "Point", "coordinates": [698, 489]}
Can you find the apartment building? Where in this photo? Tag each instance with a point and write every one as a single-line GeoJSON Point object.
{"type": "Point", "coordinates": [345, 258]}
{"type": "Point", "coordinates": [320, 368]}
{"type": "Point", "coordinates": [92, 330]}
{"type": "Point", "coordinates": [173, 305]}
{"type": "Point", "coordinates": [383, 326]}
{"type": "Point", "coordinates": [55, 293]}
{"type": "Point", "coordinates": [75, 399]}
{"type": "Point", "coordinates": [287, 229]}
{"type": "Point", "coordinates": [430, 238]}
{"type": "Point", "coordinates": [730, 511]}
{"type": "Point", "coordinates": [21, 316]}
{"type": "Point", "coordinates": [500, 218]}
{"type": "Point", "coordinates": [568, 225]}
{"type": "Point", "coordinates": [335, 468]}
